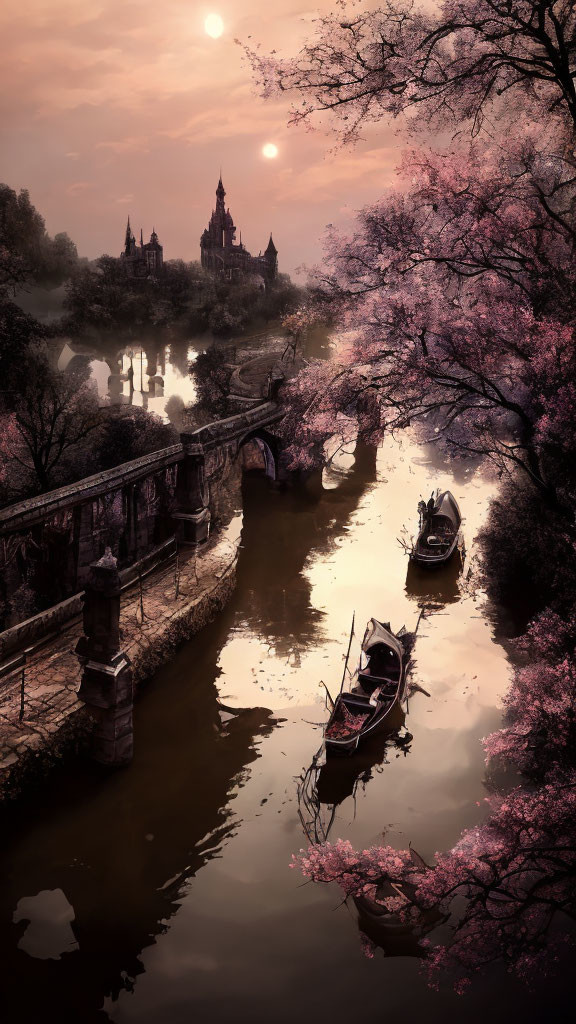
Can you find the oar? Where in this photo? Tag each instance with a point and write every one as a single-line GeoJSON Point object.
{"type": "Point", "coordinates": [348, 652]}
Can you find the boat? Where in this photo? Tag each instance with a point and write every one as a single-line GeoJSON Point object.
{"type": "Point", "coordinates": [379, 687]}
{"type": "Point", "coordinates": [388, 928]}
{"type": "Point", "coordinates": [439, 532]}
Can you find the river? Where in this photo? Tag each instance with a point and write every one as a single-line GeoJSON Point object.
{"type": "Point", "coordinates": [163, 893]}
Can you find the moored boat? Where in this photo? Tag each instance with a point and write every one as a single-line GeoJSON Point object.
{"type": "Point", "coordinates": [439, 534]}
{"type": "Point", "coordinates": [379, 686]}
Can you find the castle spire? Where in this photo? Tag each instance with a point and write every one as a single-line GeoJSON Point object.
{"type": "Point", "coordinates": [129, 239]}
{"type": "Point", "coordinates": [271, 248]}
{"type": "Point", "coordinates": [141, 238]}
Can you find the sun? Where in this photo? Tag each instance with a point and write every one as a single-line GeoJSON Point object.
{"type": "Point", "coordinates": [270, 150]}
{"type": "Point", "coordinates": [213, 25]}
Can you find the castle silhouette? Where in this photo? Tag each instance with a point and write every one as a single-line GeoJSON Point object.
{"type": "Point", "coordinates": [221, 255]}
{"type": "Point", "coordinates": [144, 260]}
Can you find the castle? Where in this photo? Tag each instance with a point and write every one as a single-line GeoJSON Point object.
{"type": "Point", "coordinates": [144, 260]}
{"type": "Point", "coordinates": [222, 256]}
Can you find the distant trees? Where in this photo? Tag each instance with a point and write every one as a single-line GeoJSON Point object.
{"type": "Point", "coordinates": [184, 298]}
{"type": "Point", "coordinates": [212, 373]}
{"type": "Point", "coordinates": [27, 252]}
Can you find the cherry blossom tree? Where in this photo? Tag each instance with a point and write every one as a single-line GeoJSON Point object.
{"type": "Point", "coordinates": [459, 62]}
{"type": "Point", "coordinates": [455, 295]}
{"type": "Point", "coordinates": [459, 284]}
{"type": "Point", "coordinates": [517, 872]}
{"type": "Point", "coordinates": [539, 735]}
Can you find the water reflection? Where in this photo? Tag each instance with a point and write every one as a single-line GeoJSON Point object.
{"type": "Point", "coordinates": [150, 374]}
{"type": "Point", "coordinates": [328, 782]}
{"type": "Point", "coordinates": [120, 851]}
{"type": "Point", "coordinates": [48, 917]}
{"type": "Point", "coordinates": [300, 521]}
{"type": "Point", "coordinates": [178, 868]}
{"type": "Point", "coordinates": [153, 372]}
{"type": "Point", "coordinates": [437, 587]}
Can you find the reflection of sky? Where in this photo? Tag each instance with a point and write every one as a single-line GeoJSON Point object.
{"type": "Point", "coordinates": [48, 932]}
{"type": "Point", "coordinates": [365, 571]}
{"type": "Point", "coordinates": [169, 376]}
{"type": "Point", "coordinates": [154, 395]}
{"type": "Point", "coordinates": [246, 907]}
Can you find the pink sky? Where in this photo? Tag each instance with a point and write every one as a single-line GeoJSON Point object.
{"type": "Point", "coordinates": [115, 107]}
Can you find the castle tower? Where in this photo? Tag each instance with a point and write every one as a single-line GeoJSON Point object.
{"type": "Point", "coordinates": [271, 257]}
{"type": "Point", "coordinates": [143, 260]}
{"type": "Point", "coordinates": [129, 240]}
{"type": "Point", "coordinates": [222, 255]}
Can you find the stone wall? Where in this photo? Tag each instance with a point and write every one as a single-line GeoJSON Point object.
{"type": "Point", "coordinates": [48, 543]}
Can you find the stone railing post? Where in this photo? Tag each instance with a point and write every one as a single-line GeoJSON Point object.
{"type": "Point", "coordinates": [106, 686]}
{"type": "Point", "coordinates": [192, 513]}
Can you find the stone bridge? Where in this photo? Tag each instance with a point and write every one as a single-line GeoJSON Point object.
{"type": "Point", "coordinates": [47, 543]}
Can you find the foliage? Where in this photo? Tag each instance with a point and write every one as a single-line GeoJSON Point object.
{"type": "Point", "coordinates": [455, 296]}
{"type": "Point", "coordinates": [212, 372]}
{"type": "Point", "coordinates": [539, 735]}
{"type": "Point", "coordinates": [459, 283]}
{"type": "Point", "coordinates": [18, 332]}
{"type": "Point", "coordinates": [449, 65]}
{"type": "Point", "coordinates": [528, 553]}
{"type": "Point", "coordinates": [126, 433]}
{"type": "Point", "coordinates": [52, 417]}
{"type": "Point", "coordinates": [26, 250]}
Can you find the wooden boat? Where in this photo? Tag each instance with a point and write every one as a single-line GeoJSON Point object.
{"type": "Point", "coordinates": [379, 686]}
{"type": "Point", "coordinates": [387, 929]}
{"type": "Point", "coordinates": [439, 530]}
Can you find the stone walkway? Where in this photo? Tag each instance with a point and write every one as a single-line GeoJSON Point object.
{"type": "Point", "coordinates": [177, 601]}
{"type": "Point", "coordinates": [250, 379]}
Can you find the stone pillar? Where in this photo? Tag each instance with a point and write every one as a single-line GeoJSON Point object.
{"type": "Point", "coordinates": [106, 685]}
{"type": "Point", "coordinates": [192, 514]}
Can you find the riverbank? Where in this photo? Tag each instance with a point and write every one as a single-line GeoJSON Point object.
{"type": "Point", "coordinates": [46, 722]}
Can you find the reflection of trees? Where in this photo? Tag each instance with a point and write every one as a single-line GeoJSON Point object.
{"type": "Point", "coordinates": [281, 529]}
{"type": "Point", "coordinates": [123, 848]}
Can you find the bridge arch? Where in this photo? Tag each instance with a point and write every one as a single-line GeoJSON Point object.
{"type": "Point", "coordinates": [268, 447]}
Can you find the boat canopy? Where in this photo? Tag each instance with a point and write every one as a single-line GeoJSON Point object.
{"type": "Point", "coordinates": [379, 633]}
{"type": "Point", "coordinates": [446, 507]}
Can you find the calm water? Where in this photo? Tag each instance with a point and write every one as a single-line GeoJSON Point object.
{"type": "Point", "coordinates": [154, 374]}
{"type": "Point", "coordinates": [162, 894]}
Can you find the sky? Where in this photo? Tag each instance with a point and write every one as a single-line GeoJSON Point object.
{"type": "Point", "coordinates": [113, 107]}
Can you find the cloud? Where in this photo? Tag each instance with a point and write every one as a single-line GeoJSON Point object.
{"type": "Point", "coordinates": [107, 104]}
{"type": "Point", "coordinates": [325, 179]}
{"type": "Point", "coordinates": [133, 144]}
{"type": "Point", "coordinates": [77, 188]}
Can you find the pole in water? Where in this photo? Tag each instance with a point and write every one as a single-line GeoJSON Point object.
{"type": "Point", "coordinates": [348, 652]}
{"type": "Point", "coordinates": [328, 694]}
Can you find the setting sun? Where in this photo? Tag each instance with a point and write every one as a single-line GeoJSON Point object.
{"type": "Point", "coordinates": [213, 25]}
{"type": "Point", "coordinates": [270, 150]}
